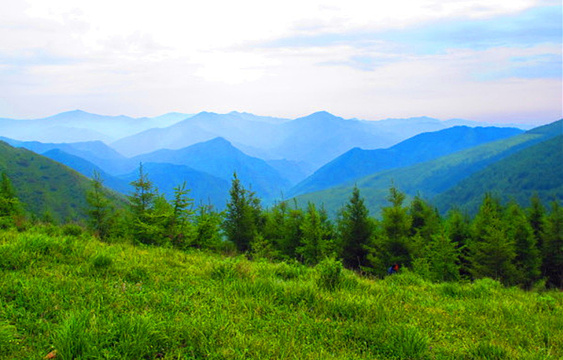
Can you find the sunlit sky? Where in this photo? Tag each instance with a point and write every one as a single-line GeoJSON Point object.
{"type": "Point", "coordinates": [489, 60]}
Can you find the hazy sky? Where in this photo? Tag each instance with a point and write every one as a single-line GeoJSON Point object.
{"type": "Point", "coordinates": [492, 60]}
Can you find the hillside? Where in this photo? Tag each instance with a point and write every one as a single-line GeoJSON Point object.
{"type": "Point", "coordinates": [75, 297]}
{"type": "Point", "coordinates": [535, 170]}
{"type": "Point", "coordinates": [432, 177]}
{"type": "Point", "coordinates": [358, 163]}
{"type": "Point", "coordinates": [44, 185]}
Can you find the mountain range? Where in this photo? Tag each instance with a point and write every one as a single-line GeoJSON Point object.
{"type": "Point", "coordinates": [318, 157]}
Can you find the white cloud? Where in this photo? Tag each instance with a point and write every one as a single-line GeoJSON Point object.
{"type": "Point", "coordinates": [147, 57]}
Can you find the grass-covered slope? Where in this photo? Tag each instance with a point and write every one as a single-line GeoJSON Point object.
{"type": "Point", "coordinates": [74, 297]}
{"type": "Point", "coordinates": [434, 177]}
{"type": "Point", "coordinates": [535, 170]}
{"type": "Point", "coordinates": [44, 185]}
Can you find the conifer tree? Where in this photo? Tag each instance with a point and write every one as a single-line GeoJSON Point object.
{"type": "Point", "coordinates": [458, 229]}
{"type": "Point", "coordinates": [179, 225]}
{"type": "Point", "coordinates": [242, 217]}
{"type": "Point", "coordinates": [101, 213]}
{"type": "Point", "coordinates": [442, 255]}
{"type": "Point", "coordinates": [147, 211]}
{"type": "Point", "coordinates": [207, 232]}
{"type": "Point", "coordinates": [355, 232]}
{"type": "Point", "coordinates": [425, 221]}
{"type": "Point", "coordinates": [536, 218]}
{"type": "Point", "coordinates": [393, 243]}
{"type": "Point", "coordinates": [492, 249]}
{"type": "Point", "coordinates": [283, 229]}
{"type": "Point", "coordinates": [528, 258]}
{"type": "Point", "coordinates": [553, 246]}
{"type": "Point", "coordinates": [316, 240]}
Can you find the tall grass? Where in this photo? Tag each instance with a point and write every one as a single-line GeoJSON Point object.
{"type": "Point", "coordinates": [71, 294]}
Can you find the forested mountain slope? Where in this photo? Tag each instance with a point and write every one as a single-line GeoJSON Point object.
{"type": "Point", "coordinates": [432, 177]}
{"type": "Point", "coordinates": [535, 170]}
{"type": "Point", "coordinates": [358, 163]}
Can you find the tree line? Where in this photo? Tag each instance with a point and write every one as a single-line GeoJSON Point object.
{"type": "Point", "coordinates": [515, 245]}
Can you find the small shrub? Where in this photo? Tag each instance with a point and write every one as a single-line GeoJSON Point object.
{"type": "Point", "coordinates": [330, 273]}
{"type": "Point", "coordinates": [225, 270]}
{"type": "Point", "coordinates": [72, 230]}
{"type": "Point", "coordinates": [101, 261]}
{"type": "Point", "coordinates": [288, 271]}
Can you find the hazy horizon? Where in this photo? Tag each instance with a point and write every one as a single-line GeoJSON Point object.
{"type": "Point", "coordinates": [490, 61]}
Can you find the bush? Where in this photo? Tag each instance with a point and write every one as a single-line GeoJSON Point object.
{"type": "Point", "coordinates": [72, 230]}
{"type": "Point", "coordinates": [330, 273]}
{"type": "Point", "coordinates": [102, 260]}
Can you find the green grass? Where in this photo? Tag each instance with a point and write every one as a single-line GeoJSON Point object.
{"type": "Point", "coordinates": [85, 299]}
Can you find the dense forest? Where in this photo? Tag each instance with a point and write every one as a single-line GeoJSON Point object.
{"type": "Point", "coordinates": [502, 241]}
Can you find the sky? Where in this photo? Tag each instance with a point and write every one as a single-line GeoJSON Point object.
{"type": "Point", "coordinates": [485, 60]}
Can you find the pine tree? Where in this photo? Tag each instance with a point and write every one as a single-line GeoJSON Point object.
{"type": "Point", "coordinates": [207, 232]}
{"type": "Point", "coordinates": [492, 249]}
{"type": "Point", "coordinates": [442, 255]}
{"type": "Point", "coordinates": [179, 225]}
{"type": "Point", "coordinates": [148, 211]}
{"type": "Point", "coordinates": [316, 240]}
{"type": "Point", "coordinates": [553, 246]}
{"type": "Point", "coordinates": [425, 221]}
{"type": "Point", "coordinates": [392, 244]}
{"type": "Point", "coordinates": [528, 258]}
{"type": "Point", "coordinates": [101, 212]}
{"type": "Point", "coordinates": [536, 218]}
{"type": "Point", "coordinates": [458, 229]}
{"type": "Point", "coordinates": [355, 232]}
{"type": "Point", "coordinates": [283, 229]}
{"type": "Point", "coordinates": [243, 216]}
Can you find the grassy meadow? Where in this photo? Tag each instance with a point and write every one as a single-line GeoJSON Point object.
{"type": "Point", "coordinates": [66, 295]}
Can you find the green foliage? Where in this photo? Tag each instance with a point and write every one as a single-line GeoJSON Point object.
{"type": "Point", "coordinates": [283, 228]}
{"type": "Point", "coordinates": [242, 216]}
{"type": "Point", "coordinates": [492, 249]}
{"type": "Point", "coordinates": [553, 246]}
{"type": "Point", "coordinates": [101, 212]}
{"type": "Point", "coordinates": [330, 273]}
{"type": "Point", "coordinates": [355, 232]}
{"type": "Point", "coordinates": [316, 236]}
{"type": "Point", "coordinates": [207, 230]}
{"type": "Point", "coordinates": [392, 244]}
{"type": "Point", "coordinates": [528, 259]}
